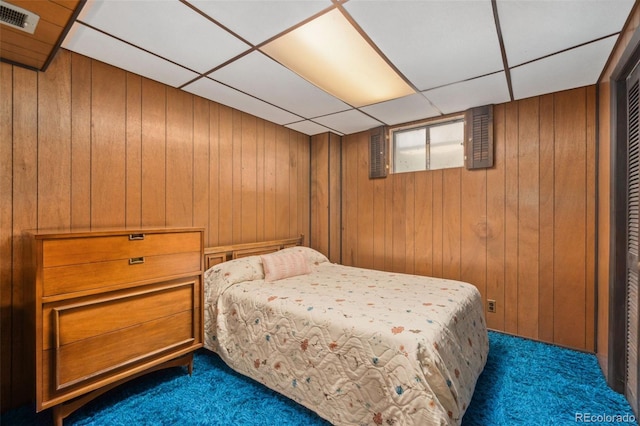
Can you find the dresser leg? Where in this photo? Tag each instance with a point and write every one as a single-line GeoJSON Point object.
{"type": "Point", "coordinates": [58, 415]}
{"type": "Point", "coordinates": [65, 409]}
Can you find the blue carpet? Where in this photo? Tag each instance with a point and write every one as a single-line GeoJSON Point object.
{"type": "Point", "coordinates": [524, 383]}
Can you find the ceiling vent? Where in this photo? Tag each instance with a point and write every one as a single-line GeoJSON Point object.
{"type": "Point", "coordinates": [17, 17]}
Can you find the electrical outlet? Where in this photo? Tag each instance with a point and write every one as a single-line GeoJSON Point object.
{"type": "Point", "coordinates": [491, 305]}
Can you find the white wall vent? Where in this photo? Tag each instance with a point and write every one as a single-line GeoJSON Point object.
{"type": "Point", "coordinates": [17, 17]}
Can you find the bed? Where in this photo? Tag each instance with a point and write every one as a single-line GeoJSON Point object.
{"type": "Point", "coordinates": [357, 346]}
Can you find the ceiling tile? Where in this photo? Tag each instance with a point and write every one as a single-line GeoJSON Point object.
{"type": "Point", "coordinates": [490, 89]}
{"type": "Point", "coordinates": [260, 76]}
{"type": "Point", "coordinates": [309, 128]}
{"type": "Point", "coordinates": [257, 21]}
{"type": "Point", "coordinates": [96, 45]}
{"type": "Point", "coordinates": [167, 28]}
{"type": "Point", "coordinates": [220, 93]}
{"type": "Point", "coordinates": [532, 29]}
{"type": "Point", "coordinates": [433, 43]}
{"type": "Point", "coordinates": [573, 68]}
{"type": "Point", "coordinates": [348, 122]}
{"type": "Point", "coordinates": [402, 110]}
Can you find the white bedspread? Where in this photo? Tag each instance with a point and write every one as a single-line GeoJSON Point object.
{"type": "Point", "coordinates": [357, 346]}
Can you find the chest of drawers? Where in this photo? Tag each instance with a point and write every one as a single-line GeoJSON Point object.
{"type": "Point", "coordinates": [110, 306]}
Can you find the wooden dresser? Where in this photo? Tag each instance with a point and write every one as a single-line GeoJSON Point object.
{"type": "Point", "coordinates": [110, 306]}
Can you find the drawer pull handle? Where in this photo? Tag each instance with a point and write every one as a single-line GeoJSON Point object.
{"type": "Point", "coordinates": [136, 260]}
{"type": "Point", "coordinates": [134, 237]}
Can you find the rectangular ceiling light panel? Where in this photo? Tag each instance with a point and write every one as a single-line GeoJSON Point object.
{"type": "Point", "coordinates": [330, 53]}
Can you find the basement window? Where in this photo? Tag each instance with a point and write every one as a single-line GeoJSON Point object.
{"type": "Point", "coordinates": [429, 145]}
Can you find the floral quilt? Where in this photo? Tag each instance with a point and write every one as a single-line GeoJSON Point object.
{"type": "Point", "coordinates": [357, 346]}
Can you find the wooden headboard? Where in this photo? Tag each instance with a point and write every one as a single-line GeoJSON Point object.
{"type": "Point", "coordinates": [215, 255]}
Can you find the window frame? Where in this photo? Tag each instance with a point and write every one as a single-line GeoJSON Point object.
{"type": "Point", "coordinates": [424, 124]}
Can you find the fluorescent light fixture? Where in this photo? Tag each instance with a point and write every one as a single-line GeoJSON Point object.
{"type": "Point", "coordinates": [330, 53]}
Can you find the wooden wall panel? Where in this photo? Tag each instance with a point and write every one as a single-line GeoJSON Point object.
{"type": "Point", "coordinates": [260, 173]}
{"type": "Point", "coordinates": [511, 220]}
{"type": "Point", "coordinates": [24, 217]}
{"type": "Point", "coordinates": [214, 166]}
{"type": "Point", "coordinates": [398, 222]}
{"type": "Point", "coordinates": [108, 145]}
{"type": "Point", "coordinates": [54, 146]}
{"type": "Point", "coordinates": [528, 216]}
{"type": "Point", "coordinates": [386, 205]}
{"type": "Point", "coordinates": [335, 200]}
{"type": "Point", "coordinates": [225, 182]}
{"type": "Point", "coordinates": [249, 182]}
{"type": "Point", "coordinates": [201, 162]}
{"type": "Point", "coordinates": [451, 223]}
{"type": "Point", "coordinates": [81, 142]}
{"type": "Point", "coordinates": [320, 190]}
{"type": "Point", "coordinates": [282, 197]}
{"type": "Point", "coordinates": [179, 161]}
{"type": "Point", "coordinates": [133, 180]}
{"type": "Point", "coordinates": [269, 181]}
{"type": "Point", "coordinates": [87, 145]}
{"type": "Point", "coordinates": [409, 206]}
{"type": "Point", "coordinates": [303, 191]}
{"type": "Point", "coordinates": [423, 261]}
{"type": "Point", "coordinates": [473, 229]}
{"type": "Point", "coordinates": [350, 198]}
{"type": "Point", "coordinates": [591, 217]}
{"type": "Point", "coordinates": [154, 123]}
{"type": "Point", "coordinates": [495, 233]}
{"type": "Point", "coordinates": [378, 221]}
{"type": "Point", "coordinates": [547, 223]}
{"type": "Point", "coordinates": [521, 232]}
{"type": "Point", "coordinates": [236, 173]}
{"type": "Point", "coordinates": [570, 220]}
{"type": "Point", "coordinates": [293, 185]}
{"type": "Point", "coordinates": [6, 226]}
{"type": "Point", "coordinates": [365, 205]}
{"type": "Point", "coordinates": [437, 229]}
{"type": "Point", "coordinates": [325, 172]}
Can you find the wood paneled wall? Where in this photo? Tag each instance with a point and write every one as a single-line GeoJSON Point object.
{"type": "Point", "coordinates": [523, 231]}
{"type": "Point", "coordinates": [604, 186]}
{"type": "Point", "coordinates": [326, 155]}
{"type": "Point", "coordinates": [87, 145]}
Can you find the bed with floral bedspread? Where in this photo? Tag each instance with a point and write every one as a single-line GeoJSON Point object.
{"type": "Point", "coordinates": [357, 346]}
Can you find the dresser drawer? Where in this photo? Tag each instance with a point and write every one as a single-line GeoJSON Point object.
{"type": "Point", "coordinates": [73, 251]}
{"type": "Point", "coordinates": [113, 332]}
{"type": "Point", "coordinates": [70, 321]}
{"type": "Point", "coordinates": [89, 276]}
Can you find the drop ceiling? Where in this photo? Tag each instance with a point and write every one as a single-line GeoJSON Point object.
{"type": "Point", "coordinates": [454, 54]}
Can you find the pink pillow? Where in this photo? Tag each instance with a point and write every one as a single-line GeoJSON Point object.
{"type": "Point", "coordinates": [284, 265]}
